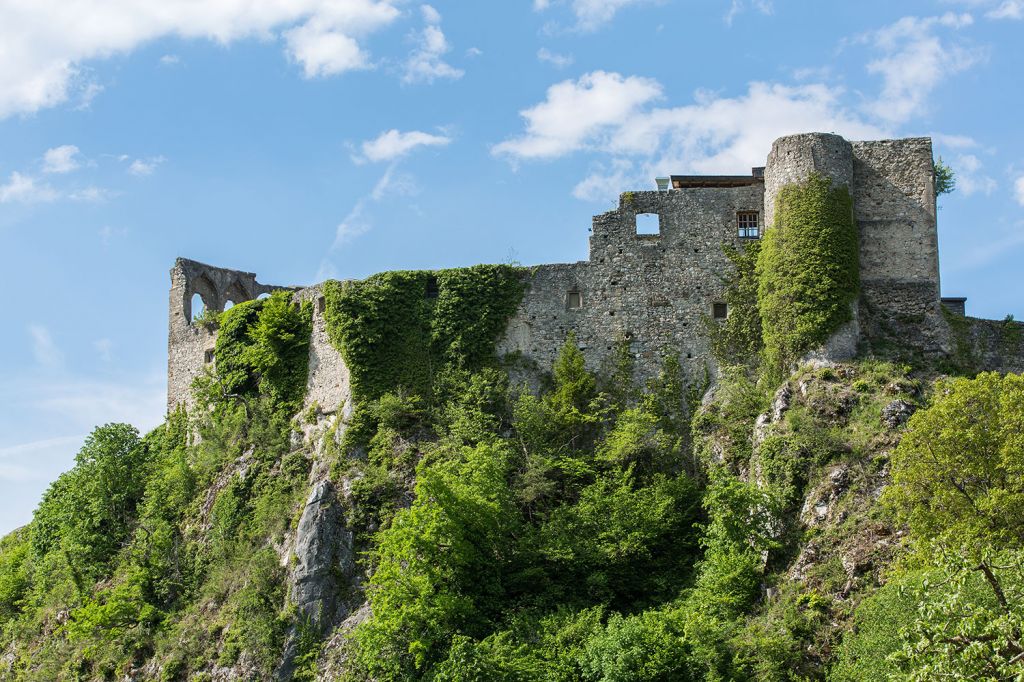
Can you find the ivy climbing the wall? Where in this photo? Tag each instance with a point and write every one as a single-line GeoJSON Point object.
{"type": "Point", "coordinates": [737, 340]}
{"type": "Point", "coordinates": [398, 331]}
{"type": "Point", "coordinates": [263, 347]}
{"type": "Point", "coordinates": [808, 270]}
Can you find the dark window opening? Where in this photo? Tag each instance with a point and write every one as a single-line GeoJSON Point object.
{"type": "Point", "coordinates": [719, 311]}
{"type": "Point", "coordinates": [648, 224]}
{"type": "Point", "coordinates": [208, 356]}
{"type": "Point", "coordinates": [749, 228]}
{"type": "Point", "coordinates": [573, 299]}
{"type": "Point", "coordinates": [432, 290]}
{"type": "Point", "coordinates": [321, 305]}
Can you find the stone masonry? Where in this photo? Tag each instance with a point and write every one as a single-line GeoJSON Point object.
{"type": "Point", "coordinates": [658, 291]}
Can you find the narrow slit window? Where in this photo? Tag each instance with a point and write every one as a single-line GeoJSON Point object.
{"type": "Point", "coordinates": [648, 224]}
{"type": "Point", "coordinates": [720, 311]}
{"type": "Point", "coordinates": [573, 300]}
{"type": "Point", "coordinates": [749, 225]}
{"type": "Point", "coordinates": [208, 355]}
{"type": "Point", "coordinates": [321, 305]}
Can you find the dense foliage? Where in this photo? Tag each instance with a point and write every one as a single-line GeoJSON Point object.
{"type": "Point", "coordinates": [590, 530]}
{"type": "Point", "coordinates": [808, 270]}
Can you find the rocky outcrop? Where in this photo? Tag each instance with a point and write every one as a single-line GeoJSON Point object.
{"type": "Point", "coordinates": [322, 567]}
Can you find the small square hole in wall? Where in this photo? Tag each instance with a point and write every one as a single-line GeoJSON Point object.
{"type": "Point", "coordinates": [719, 311]}
{"type": "Point", "coordinates": [573, 300]}
{"type": "Point", "coordinates": [208, 356]}
{"type": "Point", "coordinates": [648, 223]}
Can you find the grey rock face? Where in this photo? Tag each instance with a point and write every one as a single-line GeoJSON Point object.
{"type": "Point", "coordinates": [896, 413]}
{"type": "Point", "coordinates": [323, 555]}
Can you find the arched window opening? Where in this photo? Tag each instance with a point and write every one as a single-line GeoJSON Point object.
{"type": "Point", "coordinates": [198, 307]}
{"type": "Point", "coordinates": [262, 296]}
{"type": "Point", "coordinates": [229, 304]}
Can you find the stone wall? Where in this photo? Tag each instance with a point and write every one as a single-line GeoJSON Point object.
{"type": "Point", "coordinates": [190, 346]}
{"type": "Point", "coordinates": [654, 291]}
{"type": "Point", "coordinates": [328, 387]}
{"type": "Point", "coordinates": [658, 291]}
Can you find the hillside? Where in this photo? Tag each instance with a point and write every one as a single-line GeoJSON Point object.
{"type": "Point", "coordinates": [787, 518]}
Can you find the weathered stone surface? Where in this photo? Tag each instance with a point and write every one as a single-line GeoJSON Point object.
{"type": "Point", "coordinates": [659, 291]}
{"type": "Point", "coordinates": [896, 413]}
{"type": "Point", "coordinates": [323, 556]}
{"type": "Point", "coordinates": [190, 346]}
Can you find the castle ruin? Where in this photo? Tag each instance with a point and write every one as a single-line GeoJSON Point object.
{"type": "Point", "coordinates": [656, 285]}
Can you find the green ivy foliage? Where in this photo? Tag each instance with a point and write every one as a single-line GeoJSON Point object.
{"type": "Point", "coordinates": [263, 346]}
{"type": "Point", "coordinates": [808, 271]}
{"type": "Point", "coordinates": [738, 339]}
{"type": "Point", "coordinates": [397, 330]}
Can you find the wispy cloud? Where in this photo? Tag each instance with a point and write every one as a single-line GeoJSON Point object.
{"type": "Point", "coordinates": [24, 189]}
{"type": "Point", "coordinates": [559, 61]}
{"type": "Point", "coordinates": [143, 167]}
{"type": "Point", "coordinates": [44, 349]}
{"type": "Point", "coordinates": [737, 7]}
{"type": "Point", "coordinates": [969, 176]}
{"type": "Point", "coordinates": [914, 60]}
{"type": "Point", "coordinates": [613, 116]}
{"type": "Point", "coordinates": [1008, 9]}
{"type": "Point", "coordinates": [62, 159]}
{"type": "Point", "coordinates": [1018, 190]}
{"type": "Point", "coordinates": [590, 15]}
{"type": "Point", "coordinates": [426, 63]}
{"type": "Point", "coordinates": [392, 144]}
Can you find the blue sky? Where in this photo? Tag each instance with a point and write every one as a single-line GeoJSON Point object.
{"type": "Point", "coordinates": [335, 138]}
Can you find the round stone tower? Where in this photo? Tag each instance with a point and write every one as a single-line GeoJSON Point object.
{"type": "Point", "coordinates": [794, 157]}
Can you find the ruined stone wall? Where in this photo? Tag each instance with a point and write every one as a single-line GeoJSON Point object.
{"type": "Point", "coordinates": [190, 346]}
{"type": "Point", "coordinates": [328, 386]}
{"type": "Point", "coordinates": [656, 291]}
{"type": "Point", "coordinates": [894, 205]}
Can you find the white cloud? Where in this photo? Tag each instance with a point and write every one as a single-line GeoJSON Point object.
{"type": "Point", "coordinates": [142, 167]}
{"type": "Point", "coordinates": [45, 45]}
{"type": "Point", "coordinates": [559, 61]}
{"type": "Point", "coordinates": [739, 6]}
{"type": "Point", "coordinates": [392, 144]}
{"type": "Point", "coordinates": [577, 113]}
{"type": "Point", "coordinates": [60, 159]}
{"type": "Point", "coordinates": [612, 115]}
{"type": "Point", "coordinates": [44, 349]}
{"type": "Point", "coordinates": [590, 14]}
{"type": "Point", "coordinates": [24, 189]}
{"type": "Point", "coordinates": [474, 52]}
{"type": "Point", "coordinates": [91, 194]}
{"type": "Point", "coordinates": [914, 61]}
{"type": "Point", "coordinates": [969, 178]}
{"type": "Point", "coordinates": [425, 64]}
{"type": "Point", "coordinates": [1018, 190]}
{"type": "Point", "coordinates": [955, 141]}
{"type": "Point", "coordinates": [170, 60]}
{"type": "Point", "coordinates": [1009, 9]}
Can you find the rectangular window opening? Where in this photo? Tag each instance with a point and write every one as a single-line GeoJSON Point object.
{"type": "Point", "coordinates": [573, 300]}
{"type": "Point", "coordinates": [208, 356]}
{"type": "Point", "coordinates": [719, 311]}
{"type": "Point", "coordinates": [648, 224]}
{"type": "Point", "coordinates": [749, 228]}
